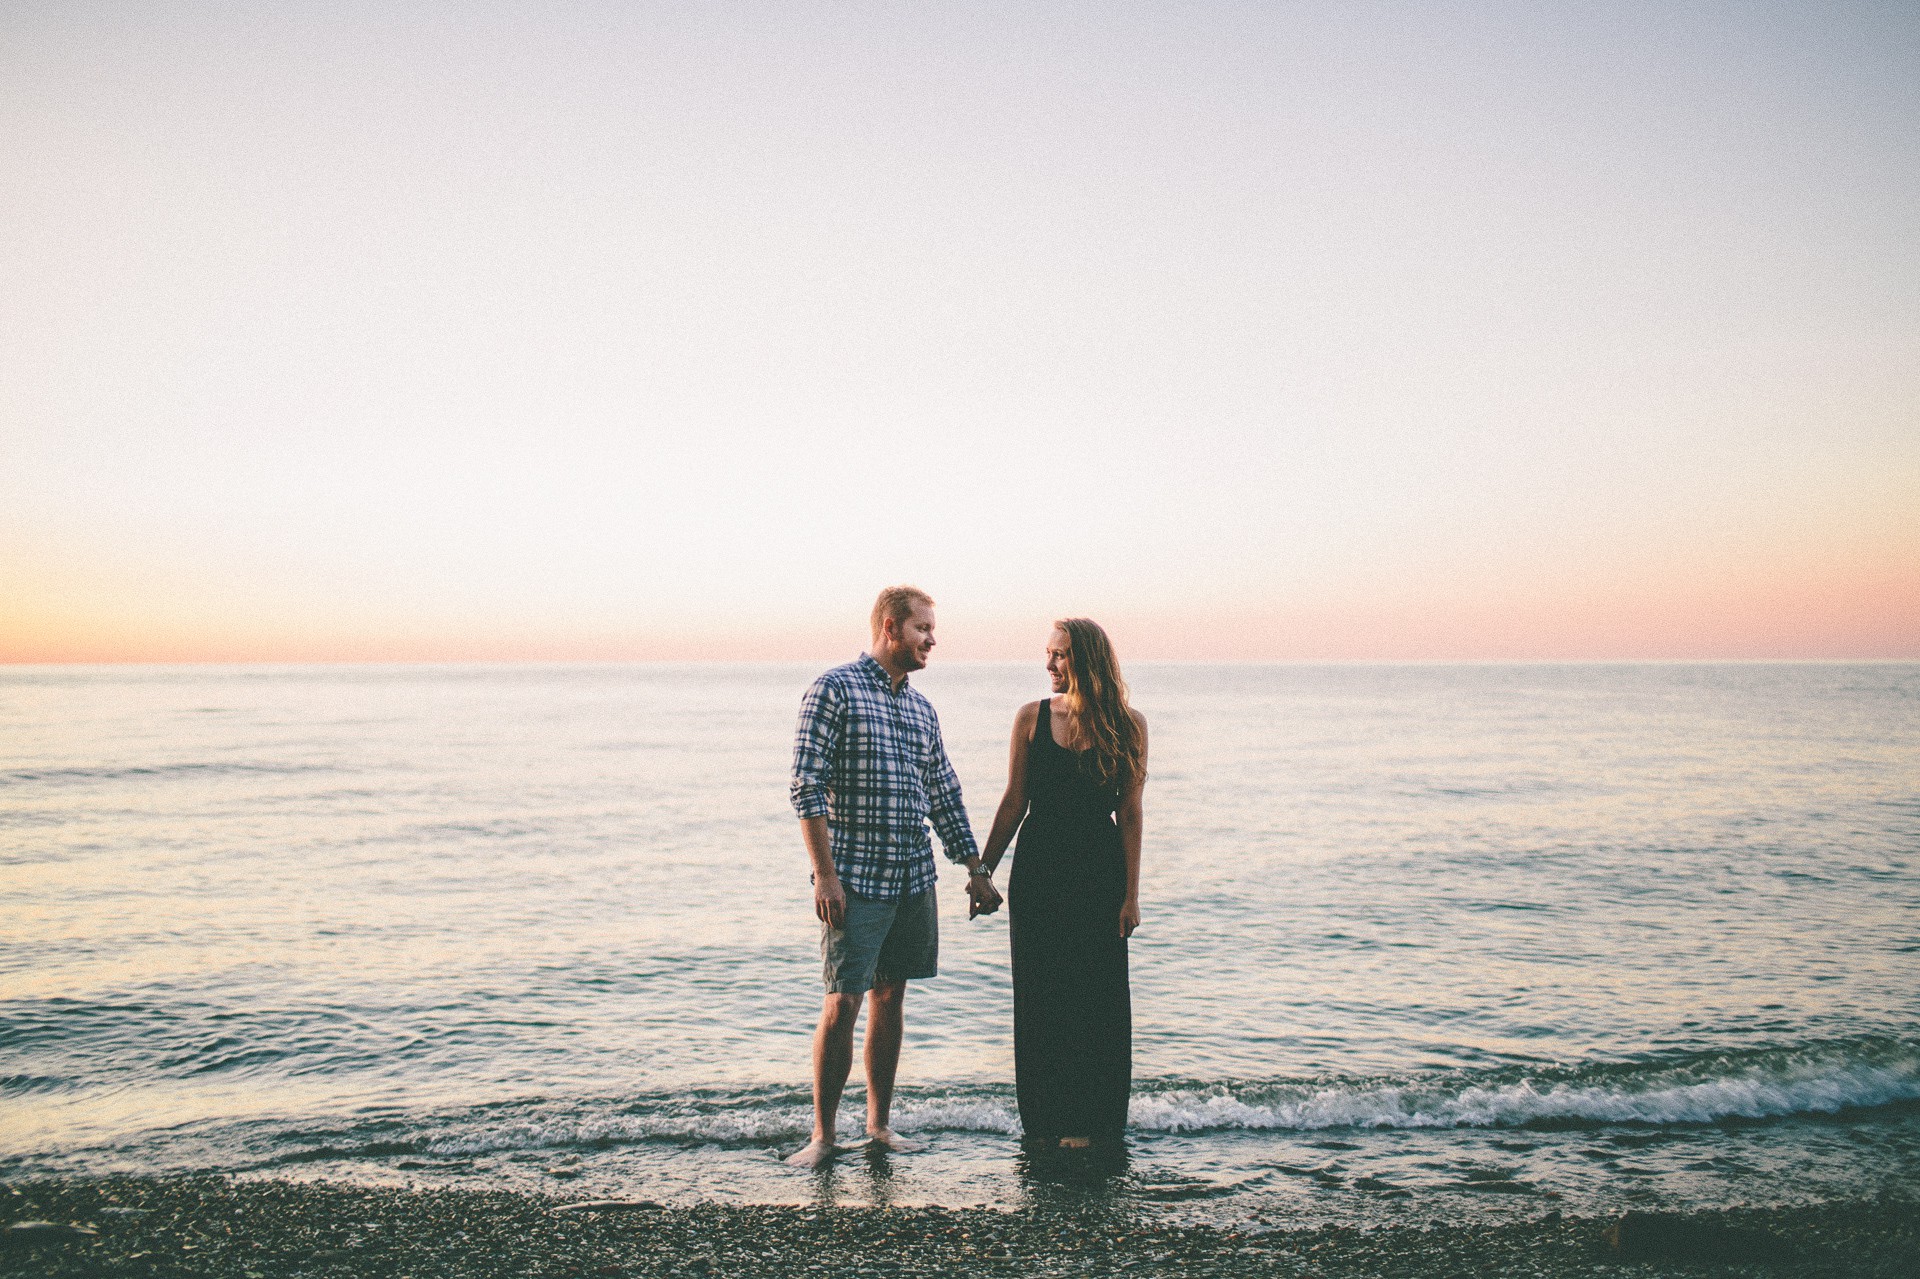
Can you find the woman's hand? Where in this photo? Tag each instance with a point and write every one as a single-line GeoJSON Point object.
{"type": "Point", "coordinates": [1129, 917]}
{"type": "Point", "coordinates": [982, 897]}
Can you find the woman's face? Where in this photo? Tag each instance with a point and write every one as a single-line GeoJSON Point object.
{"type": "Point", "coordinates": [1057, 659]}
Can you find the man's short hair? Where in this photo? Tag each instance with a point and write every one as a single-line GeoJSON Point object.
{"type": "Point", "coordinates": [897, 602]}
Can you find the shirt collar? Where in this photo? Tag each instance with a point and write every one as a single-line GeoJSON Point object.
{"type": "Point", "coordinates": [878, 672]}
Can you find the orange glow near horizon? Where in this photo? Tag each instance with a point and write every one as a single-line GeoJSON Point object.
{"type": "Point", "coordinates": [1869, 613]}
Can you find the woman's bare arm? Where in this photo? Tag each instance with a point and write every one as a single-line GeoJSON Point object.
{"type": "Point", "coordinates": [1129, 815]}
{"type": "Point", "coordinates": [1013, 804]}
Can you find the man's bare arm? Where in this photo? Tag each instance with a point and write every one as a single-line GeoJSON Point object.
{"type": "Point", "coordinates": [829, 899]}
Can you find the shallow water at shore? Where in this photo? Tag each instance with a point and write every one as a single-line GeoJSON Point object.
{"type": "Point", "coordinates": [1418, 940]}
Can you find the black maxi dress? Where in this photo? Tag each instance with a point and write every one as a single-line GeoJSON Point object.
{"type": "Point", "coordinates": [1072, 1014]}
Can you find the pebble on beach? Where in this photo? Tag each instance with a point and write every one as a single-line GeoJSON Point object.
{"type": "Point", "coordinates": [212, 1226]}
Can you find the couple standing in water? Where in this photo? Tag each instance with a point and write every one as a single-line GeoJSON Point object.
{"type": "Point", "coordinates": [870, 771]}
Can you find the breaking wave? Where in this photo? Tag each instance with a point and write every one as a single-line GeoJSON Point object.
{"type": "Point", "coordinates": [1820, 1079]}
{"type": "Point", "coordinates": [1773, 1083]}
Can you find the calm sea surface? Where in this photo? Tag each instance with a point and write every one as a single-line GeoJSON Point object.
{"type": "Point", "coordinates": [1418, 940]}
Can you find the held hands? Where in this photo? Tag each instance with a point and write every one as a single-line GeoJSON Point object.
{"type": "Point", "coordinates": [982, 897]}
{"type": "Point", "coordinates": [1129, 918]}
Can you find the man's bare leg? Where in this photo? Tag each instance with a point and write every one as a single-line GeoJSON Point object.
{"type": "Point", "coordinates": [832, 1059]}
{"type": "Point", "coordinates": [886, 1023]}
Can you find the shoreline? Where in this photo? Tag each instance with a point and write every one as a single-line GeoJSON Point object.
{"type": "Point", "coordinates": [212, 1225]}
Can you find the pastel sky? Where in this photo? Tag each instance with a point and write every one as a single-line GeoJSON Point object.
{"type": "Point", "coordinates": [579, 330]}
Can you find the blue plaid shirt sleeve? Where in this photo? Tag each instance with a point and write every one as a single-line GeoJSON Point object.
{"type": "Point", "coordinates": [949, 814]}
{"type": "Point", "coordinates": [823, 715]}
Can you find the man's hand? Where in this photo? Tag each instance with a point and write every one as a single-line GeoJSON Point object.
{"type": "Point", "coordinates": [1129, 917]}
{"type": "Point", "coordinates": [829, 900]}
{"type": "Point", "coordinates": [983, 897]}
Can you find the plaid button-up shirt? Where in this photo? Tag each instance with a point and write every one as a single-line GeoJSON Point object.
{"type": "Point", "coordinates": [870, 760]}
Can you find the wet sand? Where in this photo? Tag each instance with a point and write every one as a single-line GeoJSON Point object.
{"type": "Point", "coordinates": [189, 1226]}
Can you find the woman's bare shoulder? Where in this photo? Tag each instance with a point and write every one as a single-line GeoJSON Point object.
{"type": "Point", "coordinates": [1139, 720]}
{"type": "Point", "coordinates": [1027, 714]}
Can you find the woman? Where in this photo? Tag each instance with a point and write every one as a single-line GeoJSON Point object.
{"type": "Point", "coordinates": [1078, 763]}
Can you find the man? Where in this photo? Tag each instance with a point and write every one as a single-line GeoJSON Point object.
{"type": "Point", "coordinates": [869, 770]}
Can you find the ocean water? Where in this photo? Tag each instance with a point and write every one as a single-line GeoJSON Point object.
{"type": "Point", "coordinates": [1419, 941]}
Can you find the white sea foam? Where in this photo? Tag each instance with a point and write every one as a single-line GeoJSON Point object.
{"type": "Point", "coordinates": [958, 1114]}
{"type": "Point", "coordinates": [1754, 1086]}
{"type": "Point", "coordinates": [745, 1124]}
{"type": "Point", "coordinates": [1765, 1086]}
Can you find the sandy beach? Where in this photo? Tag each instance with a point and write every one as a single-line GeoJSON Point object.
{"type": "Point", "coordinates": [216, 1226]}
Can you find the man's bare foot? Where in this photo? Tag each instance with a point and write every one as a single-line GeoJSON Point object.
{"type": "Point", "coordinates": [1075, 1143]}
{"type": "Point", "coordinates": [813, 1154]}
{"type": "Point", "coordinates": [888, 1139]}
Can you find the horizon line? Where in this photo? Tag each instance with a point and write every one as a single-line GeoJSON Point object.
{"type": "Point", "coordinates": [426, 663]}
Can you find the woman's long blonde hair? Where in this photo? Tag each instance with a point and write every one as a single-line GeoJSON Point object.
{"type": "Point", "coordinates": [1096, 697]}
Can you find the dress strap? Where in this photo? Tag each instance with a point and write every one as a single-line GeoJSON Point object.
{"type": "Point", "coordinates": [1043, 723]}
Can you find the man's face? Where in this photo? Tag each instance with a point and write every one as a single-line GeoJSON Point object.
{"type": "Point", "coordinates": [913, 638]}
